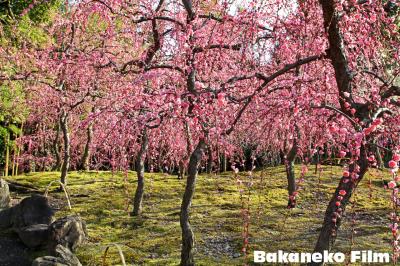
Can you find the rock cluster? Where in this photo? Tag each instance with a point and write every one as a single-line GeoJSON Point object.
{"type": "Point", "coordinates": [4, 195]}
{"type": "Point", "coordinates": [33, 221]}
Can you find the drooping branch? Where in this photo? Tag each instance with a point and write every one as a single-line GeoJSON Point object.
{"type": "Point", "coordinates": [375, 75]}
{"type": "Point", "coordinates": [337, 110]}
{"type": "Point", "coordinates": [391, 91]}
{"type": "Point", "coordinates": [267, 80]}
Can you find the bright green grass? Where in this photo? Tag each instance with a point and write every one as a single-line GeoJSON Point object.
{"type": "Point", "coordinates": [154, 239]}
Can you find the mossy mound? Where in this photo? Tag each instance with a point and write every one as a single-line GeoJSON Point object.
{"type": "Point", "coordinates": [103, 199]}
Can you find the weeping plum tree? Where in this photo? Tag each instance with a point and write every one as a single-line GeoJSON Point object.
{"type": "Point", "coordinates": [366, 117]}
{"type": "Point", "coordinates": [61, 72]}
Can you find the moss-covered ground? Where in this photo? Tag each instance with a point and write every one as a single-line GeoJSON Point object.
{"type": "Point", "coordinates": [103, 200]}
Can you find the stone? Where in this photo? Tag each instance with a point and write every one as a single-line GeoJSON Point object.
{"type": "Point", "coordinates": [4, 195]}
{"type": "Point", "coordinates": [30, 211]}
{"type": "Point", "coordinates": [5, 218]}
{"type": "Point", "coordinates": [69, 231]}
{"type": "Point", "coordinates": [48, 261]}
{"type": "Point", "coordinates": [64, 257]}
{"type": "Point", "coordinates": [34, 236]}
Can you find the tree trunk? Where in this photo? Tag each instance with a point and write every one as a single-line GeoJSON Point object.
{"type": "Point", "coordinates": [56, 148]}
{"type": "Point", "coordinates": [13, 164]}
{"type": "Point", "coordinates": [187, 233]}
{"type": "Point", "coordinates": [281, 157]}
{"type": "Point", "coordinates": [223, 162]}
{"type": "Point", "coordinates": [67, 144]}
{"type": "Point", "coordinates": [291, 178]}
{"type": "Point", "coordinates": [181, 170]}
{"type": "Point", "coordinates": [6, 167]}
{"type": "Point", "coordinates": [329, 229]}
{"type": "Point", "coordinates": [137, 201]}
{"type": "Point", "coordinates": [19, 149]}
{"type": "Point", "coordinates": [189, 144]}
{"type": "Point", "coordinates": [85, 161]}
{"type": "Point", "coordinates": [316, 161]}
{"type": "Point", "coordinates": [209, 160]}
{"type": "Point", "coordinates": [379, 160]}
{"type": "Point", "coordinates": [189, 141]}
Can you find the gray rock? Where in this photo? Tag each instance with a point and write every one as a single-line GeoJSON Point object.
{"type": "Point", "coordinates": [30, 211]}
{"type": "Point", "coordinates": [5, 218]}
{"type": "Point", "coordinates": [35, 235]}
{"type": "Point", "coordinates": [4, 195]}
{"type": "Point", "coordinates": [69, 232]}
{"type": "Point", "coordinates": [64, 257]}
{"type": "Point", "coordinates": [48, 261]}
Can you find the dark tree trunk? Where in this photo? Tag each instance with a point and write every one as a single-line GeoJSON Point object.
{"type": "Point", "coordinates": [223, 159]}
{"type": "Point", "coordinates": [379, 160]}
{"type": "Point", "coordinates": [329, 229]}
{"type": "Point", "coordinates": [181, 170]}
{"type": "Point", "coordinates": [187, 233]}
{"type": "Point", "coordinates": [281, 157]}
{"type": "Point", "coordinates": [189, 144]}
{"type": "Point", "coordinates": [291, 178]}
{"type": "Point", "coordinates": [67, 144]}
{"type": "Point", "coordinates": [140, 160]}
{"type": "Point", "coordinates": [316, 161]}
{"type": "Point", "coordinates": [85, 161]}
{"type": "Point", "coordinates": [209, 160]}
{"type": "Point", "coordinates": [56, 148]}
{"type": "Point", "coordinates": [160, 164]}
{"type": "Point", "coordinates": [7, 156]}
{"type": "Point", "coordinates": [289, 165]}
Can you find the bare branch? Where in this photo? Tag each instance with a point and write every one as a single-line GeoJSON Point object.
{"type": "Point", "coordinates": [337, 110]}
{"type": "Point", "coordinates": [379, 112]}
{"type": "Point", "coordinates": [144, 19]}
{"type": "Point", "coordinates": [165, 67]}
{"type": "Point", "coordinates": [392, 91]}
{"type": "Point", "coordinates": [235, 47]}
{"type": "Point", "coordinates": [218, 19]}
{"type": "Point", "coordinates": [288, 67]}
{"type": "Point", "coordinates": [267, 80]}
{"type": "Point", "coordinates": [159, 5]}
{"type": "Point", "coordinates": [376, 76]}
{"type": "Point", "coordinates": [189, 9]}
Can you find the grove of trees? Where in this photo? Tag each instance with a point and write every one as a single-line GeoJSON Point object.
{"type": "Point", "coordinates": [183, 86]}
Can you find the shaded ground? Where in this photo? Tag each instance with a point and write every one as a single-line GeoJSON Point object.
{"type": "Point", "coordinates": [13, 252]}
{"type": "Point", "coordinates": [103, 200]}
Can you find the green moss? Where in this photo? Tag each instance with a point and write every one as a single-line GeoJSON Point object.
{"type": "Point", "coordinates": [103, 199]}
